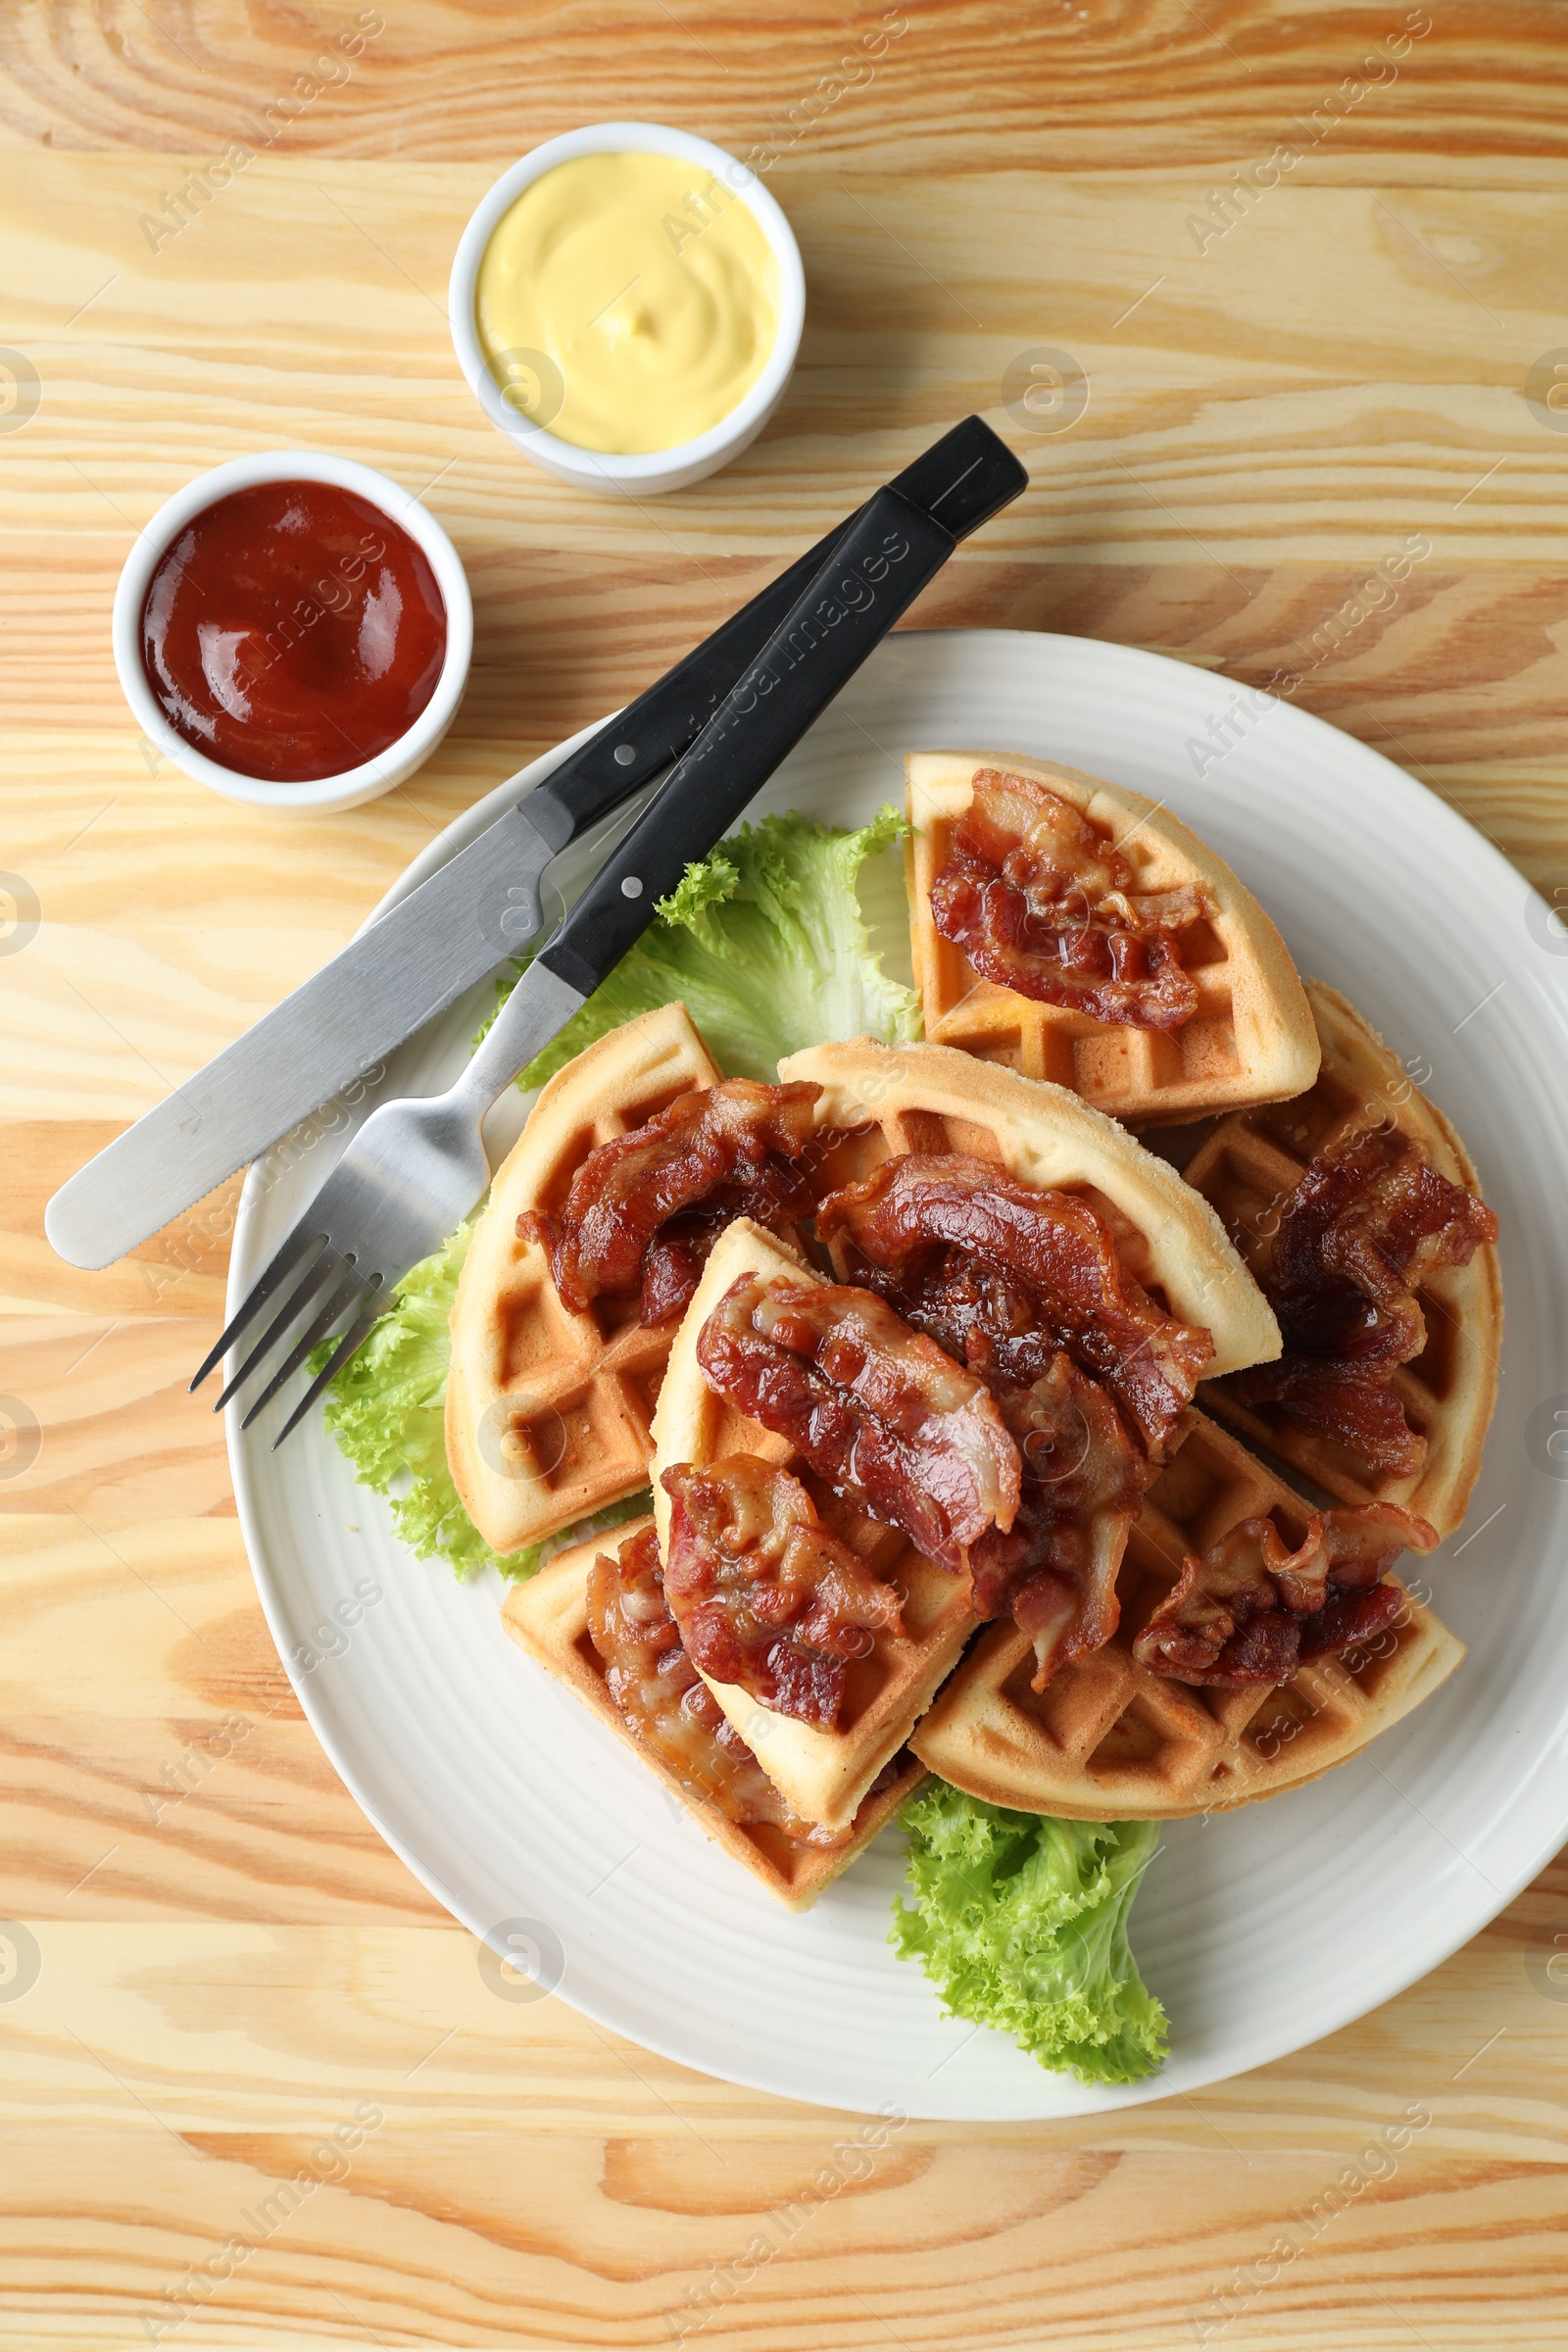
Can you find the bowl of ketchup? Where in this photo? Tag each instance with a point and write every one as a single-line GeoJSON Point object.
{"type": "Point", "coordinates": [294, 630]}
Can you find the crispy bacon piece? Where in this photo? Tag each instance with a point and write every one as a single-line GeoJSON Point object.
{"type": "Point", "coordinates": [664, 1703]}
{"type": "Point", "coordinates": [764, 1594]}
{"type": "Point", "coordinates": [881, 1414]}
{"type": "Point", "coordinates": [1366, 1223]}
{"type": "Point", "coordinates": [778, 1197]}
{"type": "Point", "coordinates": [1363, 1227]}
{"type": "Point", "coordinates": [1024, 1286]}
{"type": "Point", "coordinates": [645, 1210]}
{"type": "Point", "coordinates": [1042, 902]}
{"type": "Point", "coordinates": [1083, 1478]}
{"type": "Point", "coordinates": [1356, 1409]}
{"type": "Point", "coordinates": [1249, 1611]}
{"type": "Point", "coordinates": [1004, 1274]}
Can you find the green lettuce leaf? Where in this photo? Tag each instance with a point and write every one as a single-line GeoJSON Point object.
{"type": "Point", "coordinates": [386, 1409]}
{"type": "Point", "coordinates": [767, 945]}
{"type": "Point", "coordinates": [1020, 1921]}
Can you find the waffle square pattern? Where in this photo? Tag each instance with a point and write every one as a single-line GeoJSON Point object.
{"type": "Point", "coordinates": [1254, 1159]}
{"type": "Point", "coordinates": [549, 1412]}
{"type": "Point", "coordinates": [1251, 1038]}
{"type": "Point", "coordinates": [1107, 1740]}
{"type": "Point", "coordinates": [548, 1616]}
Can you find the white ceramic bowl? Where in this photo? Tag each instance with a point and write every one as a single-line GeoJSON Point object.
{"type": "Point", "coordinates": [320, 793]}
{"type": "Point", "coordinates": [661, 468]}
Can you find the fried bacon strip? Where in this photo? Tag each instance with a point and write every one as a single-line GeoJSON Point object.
{"type": "Point", "coordinates": [777, 1196]}
{"type": "Point", "coordinates": [1024, 1286]}
{"type": "Point", "coordinates": [1004, 1274]}
{"type": "Point", "coordinates": [764, 1594]}
{"type": "Point", "coordinates": [1042, 902]}
{"type": "Point", "coordinates": [1363, 1227]}
{"type": "Point", "coordinates": [1356, 1409]}
{"type": "Point", "coordinates": [1054, 1570]}
{"type": "Point", "coordinates": [645, 1210]}
{"type": "Point", "coordinates": [881, 1414]}
{"type": "Point", "coordinates": [1250, 1611]}
{"type": "Point", "coordinates": [665, 1704]}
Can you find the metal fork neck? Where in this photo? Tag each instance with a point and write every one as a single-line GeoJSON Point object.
{"type": "Point", "coordinates": [537, 1008]}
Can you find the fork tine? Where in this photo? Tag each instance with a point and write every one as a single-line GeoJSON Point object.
{"type": "Point", "coordinates": [286, 1259]}
{"type": "Point", "coordinates": [353, 1339]}
{"type": "Point", "coordinates": [319, 1326]}
{"type": "Point", "coordinates": [321, 1270]}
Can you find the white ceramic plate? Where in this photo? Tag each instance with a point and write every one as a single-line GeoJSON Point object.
{"type": "Point", "coordinates": [1261, 1931]}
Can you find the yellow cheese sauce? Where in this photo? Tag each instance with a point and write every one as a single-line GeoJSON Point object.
{"type": "Point", "coordinates": [627, 302]}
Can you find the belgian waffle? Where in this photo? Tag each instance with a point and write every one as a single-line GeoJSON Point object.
{"type": "Point", "coordinates": [1107, 1740]}
{"type": "Point", "coordinates": [877, 1101]}
{"type": "Point", "coordinates": [549, 1617]}
{"type": "Point", "coordinates": [822, 1774]}
{"type": "Point", "coordinates": [548, 1411]}
{"type": "Point", "coordinates": [1247, 1167]}
{"type": "Point", "coordinates": [1250, 1039]}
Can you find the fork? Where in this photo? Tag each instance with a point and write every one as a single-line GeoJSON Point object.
{"type": "Point", "coordinates": [416, 1167]}
{"type": "Point", "coordinates": [408, 1177]}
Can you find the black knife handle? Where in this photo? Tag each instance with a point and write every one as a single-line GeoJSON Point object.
{"type": "Point", "coordinates": [963, 480]}
{"type": "Point", "coordinates": [878, 569]}
{"type": "Point", "coordinates": [669, 717]}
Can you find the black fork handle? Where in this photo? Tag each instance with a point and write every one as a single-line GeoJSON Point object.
{"type": "Point", "coordinates": [874, 574]}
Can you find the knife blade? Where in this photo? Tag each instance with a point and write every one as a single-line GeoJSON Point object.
{"type": "Point", "coordinates": [465, 920]}
{"type": "Point", "coordinates": [355, 1012]}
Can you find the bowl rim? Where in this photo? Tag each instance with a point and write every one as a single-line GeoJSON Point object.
{"type": "Point", "coordinates": [369, 777]}
{"type": "Point", "coordinates": [606, 469]}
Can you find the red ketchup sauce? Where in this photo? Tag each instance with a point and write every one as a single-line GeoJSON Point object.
{"type": "Point", "coordinates": [292, 631]}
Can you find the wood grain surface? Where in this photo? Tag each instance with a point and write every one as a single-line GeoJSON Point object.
{"type": "Point", "coordinates": [1280, 385]}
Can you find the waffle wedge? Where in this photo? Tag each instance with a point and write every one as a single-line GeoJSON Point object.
{"type": "Point", "coordinates": [548, 1616]}
{"type": "Point", "coordinates": [1246, 1168]}
{"type": "Point", "coordinates": [1107, 1740]}
{"type": "Point", "coordinates": [877, 1101]}
{"type": "Point", "coordinates": [1249, 1040]}
{"type": "Point", "coordinates": [822, 1774]}
{"type": "Point", "coordinates": [548, 1411]}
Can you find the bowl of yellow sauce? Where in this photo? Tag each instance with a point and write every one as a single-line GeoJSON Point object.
{"type": "Point", "coordinates": [627, 302]}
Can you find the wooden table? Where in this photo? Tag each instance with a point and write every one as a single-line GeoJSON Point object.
{"type": "Point", "coordinates": [1281, 383]}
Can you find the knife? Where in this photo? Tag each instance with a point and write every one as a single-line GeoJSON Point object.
{"type": "Point", "coordinates": [417, 1167]}
{"type": "Point", "coordinates": [484, 904]}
